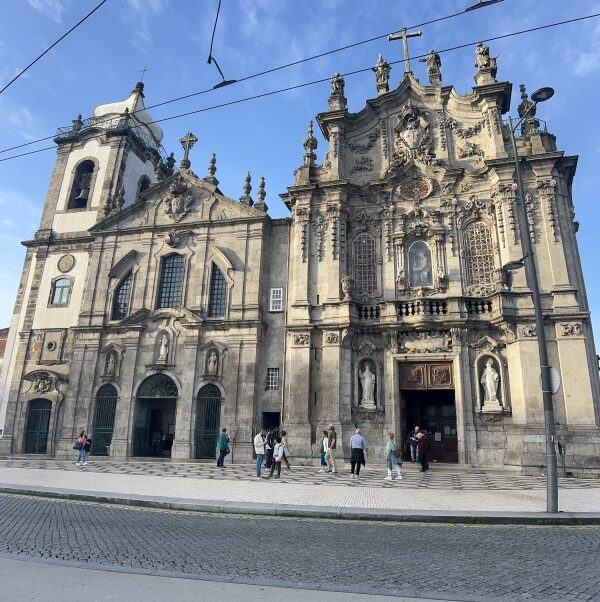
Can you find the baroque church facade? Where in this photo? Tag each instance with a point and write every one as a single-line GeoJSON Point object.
{"type": "Point", "coordinates": [153, 310]}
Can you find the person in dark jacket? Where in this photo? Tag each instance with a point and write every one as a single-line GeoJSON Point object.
{"type": "Point", "coordinates": [269, 447]}
{"type": "Point", "coordinates": [223, 445]}
{"type": "Point", "coordinates": [422, 451]}
{"type": "Point", "coordinates": [413, 439]}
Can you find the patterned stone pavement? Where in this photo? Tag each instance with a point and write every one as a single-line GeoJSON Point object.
{"type": "Point", "coordinates": [458, 562]}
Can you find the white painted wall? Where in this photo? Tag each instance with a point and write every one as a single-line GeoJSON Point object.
{"type": "Point", "coordinates": [10, 355]}
{"type": "Point", "coordinates": [134, 170]}
{"type": "Point", "coordinates": [60, 317]}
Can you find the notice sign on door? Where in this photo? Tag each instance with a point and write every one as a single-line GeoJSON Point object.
{"type": "Point", "coordinates": [438, 436]}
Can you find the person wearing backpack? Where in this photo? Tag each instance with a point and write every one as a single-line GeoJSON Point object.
{"type": "Point", "coordinates": [80, 447]}
{"type": "Point", "coordinates": [223, 446]}
{"type": "Point", "coordinates": [393, 457]}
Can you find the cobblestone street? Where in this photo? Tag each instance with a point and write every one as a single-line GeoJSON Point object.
{"type": "Point", "coordinates": [454, 561]}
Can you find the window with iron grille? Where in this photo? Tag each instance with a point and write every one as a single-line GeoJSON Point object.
{"type": "Point", "coordinates": [120, 308]}
{"type": "Point", "coordinates": [171, 281]}
{"type": "Point", "coordinates": [364, 262]}
{"type": "Point", "coordinates": [276, 301]}
{"type": "Point", "coordinates": [60, 292]}
{"type": "Point", "coordinates": [479, 254]}
{"type": "Point", "coordinates": [218, 293]}
{"type": "Point", "coordinates": [272, 378]}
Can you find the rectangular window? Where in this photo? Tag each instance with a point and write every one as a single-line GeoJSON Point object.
{"type": "Point", "coordinates": [276, 301]}
{"type": "Point", "coordinates": [272, 378]}
{"type": "Point", "coordinates": [218, 293]}
{"type": "Point", "coordinates": [171, 281]}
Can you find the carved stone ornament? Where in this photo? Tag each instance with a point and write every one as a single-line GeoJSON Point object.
{"type": "Point", "coordinates": [571, 329]}
{"type": "Point", "coordinates": [301, 338]}
{"type": "Point", "coordinates": [528, 331]}
{"type": "Point", "coordinates": [412, 138]}
{"type": "Point", "coordinates": [66, 263]}
{"type": "Point", "coordinates": [178, 204]}
{"type": "Point", "coordinates": [332, 338]}
{"type": "Point", "coordinates": [174, 238]}
{"type": "Point", "coordinates": [415, 189]}
{"type": "Point", "coordinates": [431, 341]}
{"type": "Point", "coordinates": [42, 385]}
{"type": "Point", "coordinates": [347, 283]}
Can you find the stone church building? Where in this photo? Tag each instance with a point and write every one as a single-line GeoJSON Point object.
{"type": "Point", "coordinates": [153, 310]}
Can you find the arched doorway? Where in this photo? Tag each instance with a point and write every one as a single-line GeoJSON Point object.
{"type": "Point", "coordinates": [104, 420]}
{"type": "Point", "coordinates": [154, 429]}
{"type": "Point", "coordinates": [38, 423]}
{"type": "Point", "coordinates": [208, 419]}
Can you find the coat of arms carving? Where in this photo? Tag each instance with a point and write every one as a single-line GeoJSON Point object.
{"type": "Point", "coordinates": [412, 139]}
{"type": "Point", "coordinates": [178, 203]}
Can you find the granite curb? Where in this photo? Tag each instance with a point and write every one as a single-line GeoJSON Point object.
{"type": "Point", "coordinates": [301, 511]}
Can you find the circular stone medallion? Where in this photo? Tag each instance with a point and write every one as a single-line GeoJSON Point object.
{"type": "Point", "coordinates": [66, 263]}
{"type": "Point", "coordinates": [415, 189]}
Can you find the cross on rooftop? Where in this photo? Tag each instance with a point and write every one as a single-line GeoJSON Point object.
{"type": "Point", "coordinates": [187, 142]}
{"type": "Point", "coordinates": [143, 72]}
{"type": "Point", "coordinates": [404, 35]}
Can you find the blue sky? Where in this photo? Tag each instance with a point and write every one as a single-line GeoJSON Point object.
{"type": "Point", "coordinates": [101, 60]}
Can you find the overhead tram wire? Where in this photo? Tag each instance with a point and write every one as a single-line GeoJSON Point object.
{"type": "Point", "coordinates": [16, 77]}
{"type": "Point", "coordinates": [255, 75]}
{"type": "Point", "coordinates": [326, 79]}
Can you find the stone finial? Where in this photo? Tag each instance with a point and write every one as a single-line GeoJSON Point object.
{"type": "Point", "coordinates": [246, 199]}
{"type": "Point", "coordinates": [120, 198]}
{"type": "Point", "coordinates": [487, 65]}
{"type": "Point", "coordinates": [212, 170]}
{"type": "Point", "coordinates": [337, 100]}
{"type": "Point", "coordinates": [310, 144]}
{"type": "Point", "coordinates": [382, 75]}
{"type": "Point", "coordinates": [261, 205]}
{"type": "Point", "coordinates": [527, 110]}
{"type": "Point", "coordinates": [170, 164]}
{"type": "Point", "coordinates": [434, 64]}
{"type": "Point", "coordinates": [187, 142]}
{"type": "Point", "coordinates": [108, 205]}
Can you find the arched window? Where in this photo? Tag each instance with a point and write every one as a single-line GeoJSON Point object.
{"type": "Point", "coordinates": [61, 291]}
{"type": "Point", "coordinates": [143, 184]}
{"type": "Point", "coordinates": [171, 281]}
{"type": "Point", "coordinates": [364, 264]}
{"type": "Point", "coordinates": [82, 182]}
{"type": "Point", "coordinates": [218, 293]}
{"type": "Point", "coordinates": [479, 254]}
{"type": "Point", "coordinates": [120, 308]}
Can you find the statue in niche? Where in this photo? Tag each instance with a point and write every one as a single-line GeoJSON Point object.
{"type": "Point", "coordinates": [111, 365]}
{"type": "Point", "coordinates": [163, 352]}
{"type": "Point", "coordinates": [367, 382]}
{"type": "Point", "coordinates": [433, 64]}
{"type": "Point", "coordinates": [212, 364]}
{"type": "Point", "coordinates": [489, 381]}
{"type": "Point", "coordinates": [419, 265]}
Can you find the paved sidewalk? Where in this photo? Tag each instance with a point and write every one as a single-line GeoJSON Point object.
{"type": "Point", "coordinates": [439, 494]}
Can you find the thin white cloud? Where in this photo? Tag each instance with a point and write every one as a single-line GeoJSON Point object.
{"type": "Point", "coordinates": [19, 120]}
{"type": "Point", "coordinates": [140, 16]}
{"type": "Point", "coordinates": [53, 9]}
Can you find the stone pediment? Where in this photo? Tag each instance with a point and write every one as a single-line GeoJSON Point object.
{"type": "Point", "coordinates": [180, 199]}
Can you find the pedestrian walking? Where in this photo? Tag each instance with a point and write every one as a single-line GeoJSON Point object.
{"type": "Point", "coordinates": [324, 444]}
{"type": "Point", "coordinates": [413, 439]}
{"type": "Point", "coordinates": [87, 448]}
{"type": "Point", "coordinates": [423, 450]}
{"type": "Point", "coordinates": [331, 447]}
{"type": "Point", "coordinates": [286, 449]}
{"type": "Point", "coordinates": [269, 445]}
{"type": "Point", "coordinates": [277, 459]}
{"type": "Point", "coordinates": [80, 447]}
{"type": "Point", "coordinates": [358, 451]}
{"type": "Point", "coordinates": [223, 447]}
{"type": "Point", "coordinates": [259, 448]}
{"type": "Point", "coordinates": [394, 458]}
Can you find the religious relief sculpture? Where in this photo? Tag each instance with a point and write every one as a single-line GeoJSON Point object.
{"type": "Point", "coordinates": [163, 350]}
{"type": "Point", "coordinates": [212, 363]}
{"type": "Point", "coordinates": [367, 380]}
{"type": "Point", "coordinates": [434, 64]}
{"type": "Point", "coordinates": [412, 138]}
{"type": "Point", "coordinates": [178, 203]}
{"type": "Point", "coordinates": [110, 367]}
{"type": "Point", "coordinates": [490, 379]}
{"type": "Point", "coordinates": [419, 265]}
{"type": "Point", "coordinates": [382, 75]}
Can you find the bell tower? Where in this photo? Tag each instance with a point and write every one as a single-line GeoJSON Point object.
{"type": "Point", "coordinates": [108, 158]}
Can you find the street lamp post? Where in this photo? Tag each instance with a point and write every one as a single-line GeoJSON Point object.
{"type": "Point", "coordinates": [533, 282]}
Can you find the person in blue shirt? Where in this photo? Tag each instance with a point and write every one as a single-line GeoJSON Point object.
{"type": "Point", "coordinates": [359, 450]}
{"type": "Point", "coordinates": [223, 446]}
